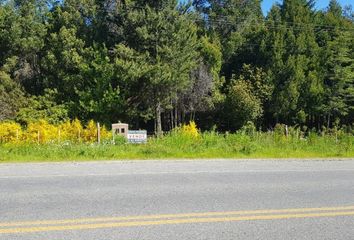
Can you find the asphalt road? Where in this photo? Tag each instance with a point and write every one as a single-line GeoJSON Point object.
{"type": "Point", "coordinates": [219, 199]}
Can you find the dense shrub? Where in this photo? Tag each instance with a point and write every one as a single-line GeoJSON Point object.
{"type": "Point", "coordinates": [71, 131]}
{"type": "Point", "coordinates": [190, 129]}
{"type": "Point", "coordinates": [42, 132]}
{"type": "Point", "coordinates": [10, 132]}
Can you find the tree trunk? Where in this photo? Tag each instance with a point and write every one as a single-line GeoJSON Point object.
{"type": "Point", "coordinates": [172, 117]}
{"type": "Point", "coordinates": [176, 116]}
{"type": "Point", "coordinates": [158, 127]}
{"type": "Point", "coordinates": [171, 120]}
{"type": "Point", "coordinates": [192, 118]}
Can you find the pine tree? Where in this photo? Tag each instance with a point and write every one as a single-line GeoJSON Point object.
{"type": "Point", "coordinates": [294, 62]}
{"type": "Point", "coordinates": [166, 43]}
{"type": "Point", "coordinates": [337, 41]}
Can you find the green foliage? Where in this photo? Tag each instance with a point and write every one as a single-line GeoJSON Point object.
{"type": "Point", "coordinates": [164, 48]}
{"type": "Point", "coordinates": [242, 104]}
{"type": "Point", "coordinates": [211, 53]}
{"type": "Point", "coordinates": [296, 73]}
{"type": "Point", "coordinates": [43, 107]}
{"type": "Point", "coordinates": [11, 97]}
{"type": "Point", "coordinates": [159, 64]}
{"type": "Point", "coordinates": [119, 140]}
{"type": "Point", "coordinates": [174, 145]}
{"type": "Point", "coordinates": [339, 65]}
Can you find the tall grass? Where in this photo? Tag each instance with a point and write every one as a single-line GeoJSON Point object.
{"type": "Point", "coordinates": [177, 144]}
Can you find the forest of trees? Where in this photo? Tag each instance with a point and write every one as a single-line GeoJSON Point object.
{"type": "Point", "coordinates": [158, 63]}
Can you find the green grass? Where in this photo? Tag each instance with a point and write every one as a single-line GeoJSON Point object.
{"type": "Point", "coordinates": [177, 146]}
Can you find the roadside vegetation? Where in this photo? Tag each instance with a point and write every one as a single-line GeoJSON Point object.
{"type": "Point", "coordinates": [181, 143]}
{"type": "Point", "coordinates": [158, 64]}
{"type": "Point", "coordinates": [244, 77]}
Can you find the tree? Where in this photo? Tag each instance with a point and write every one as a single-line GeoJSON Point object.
{"type": "Point", "coordinates": [241, 105]}
{"type": "Point", "coordinates": [239, 26]}
{"type": "Point", "coordinates": [22, 39]}
{"type": "Point", "coordinates": [167, 62]}
{"type": "Point", "coordinates": [42, 107]}
{"type": "Point", "coordinates": [247, 96]}
{"type": "Point", "coordinates": [11, 97]}
{"type": "Point", "coordinates": [78, 68]}
{"type": "Point", "coordinates": [338, 46]}
{"type": "Point", "coordinates": [167, 43]}
{"type": "Point", "coordinates": [294, 62]}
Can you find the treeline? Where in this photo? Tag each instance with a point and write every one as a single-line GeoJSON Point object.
{"type": "Point", "coordinates": [157, 64]}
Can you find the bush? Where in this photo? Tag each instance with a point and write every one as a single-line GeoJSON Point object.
{"type": "Point", "coordinates": [190, 130]}
{"type": "Point", "coordinates": [43, 132]}
{"type": "Point", "coordinates": [10, 132]}
{"type": "Point", "coordinates": [43, 107]}
{"type": "Point", "coordinates": [90, 132]}
{"type": "Point", "coordinates": [119, 140]}
{"type": "Point", "coordinates": [249, 129]}
{"type": "Point", "coordinates": [71, 131]}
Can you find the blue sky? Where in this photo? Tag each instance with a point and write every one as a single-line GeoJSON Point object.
{"type": "Point", "coordinates": [320, 4]}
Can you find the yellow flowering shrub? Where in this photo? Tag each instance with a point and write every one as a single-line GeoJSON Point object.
{"type": "Point", "coordinates": [190, 129]}
{"type": "Point", "coordinates": [41, 132]}
{"type": "Point", "coordinates": [10, 132]}
{"type": "Point", "coordinates": [90, 132]}
{"type": "Point", "coordinates": [106, 134]}
{"type": "Point", "coordinates": [71, 131]}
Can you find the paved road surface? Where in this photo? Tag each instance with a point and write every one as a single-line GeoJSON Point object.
{"type": "Point", "coordinates": [219, 199]}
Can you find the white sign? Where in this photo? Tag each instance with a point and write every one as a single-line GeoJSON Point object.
{"type": "Point", "coordinates": [137, 136]}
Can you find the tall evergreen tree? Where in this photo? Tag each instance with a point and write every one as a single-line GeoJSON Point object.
{"type": "Point", "coordinates": [338, 62]}
{"type": "Point", "coordinates": [294, 62]}
{"type": "Point", "coordinates": [167, 42]}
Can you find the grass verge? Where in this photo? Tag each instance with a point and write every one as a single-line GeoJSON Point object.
{"type": "Point", "coordinates": [177, 146]}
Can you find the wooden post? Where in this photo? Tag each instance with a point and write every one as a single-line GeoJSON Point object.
{"type": "Point", "coordinates": [335, 129]}
{"type": "Point", "coordinates": [286, 131]}
{"type": "Point", "coordinates": [158, 128]}
{"type": "Point", "coordinates": [113, 136]}
{"type": "Point", "coordinates": [17, 134]}
{"type": "Point", "coordinates": [59, 136]}
{"type": "Point", "coordinates": [98, 133]}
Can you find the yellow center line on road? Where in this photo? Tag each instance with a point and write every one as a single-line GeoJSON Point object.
{"type": "Point", "coordinates": [167, 216]}
{"type": "Point", "coordinates": [173, 221]}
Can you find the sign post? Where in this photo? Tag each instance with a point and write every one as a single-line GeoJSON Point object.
{"type": "Point", "coordinates": [133, 136]}
{"type": "Point", "coordinates": [139, 136]}
{"type": "Point", "coordinates": [98, 133]}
